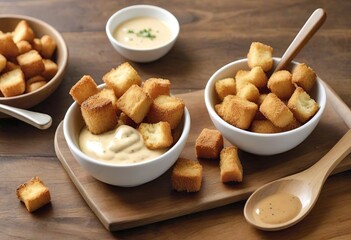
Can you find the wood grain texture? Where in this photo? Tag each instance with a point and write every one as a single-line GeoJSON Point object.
{"type": "Point", "coordinates": [213, 33]}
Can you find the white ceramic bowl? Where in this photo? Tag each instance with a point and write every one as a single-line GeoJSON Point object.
{"type": "Point", "coordinates": [142, 55]}
{"type": "Point", "coordinates": [259, 143]}
{"type": "Point", "coordinates": [120, 175]}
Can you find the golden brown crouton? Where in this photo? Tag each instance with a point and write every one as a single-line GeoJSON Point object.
{"type": "Point", "coordinates": [281, 85]}
{"type": "Point", "coordinates": [83, 89]}
{"type": "Point", "coordinates": [276, 111]}
{"type": "Point", "coordinates": [34, 86]}
{"type": "Point", "coordinates": [230, 165]}
{"type": "Point", "coordinates": [99, 114]}
{"type": "Point", "coordinates": [209, 144]}
{"type": "Point", "coordinates": [256, 76]}
{"type": "Point", "coordinates": [3, 62]}
{"type": "Point", "coordinates": [168, 109]}
{"type": "Point", "coordinates": [109, 94]}
{"type": "Point", "coordinates": [157, 135]}
{"type": "Point", "coordinates": [24, 46]}
{"type": "Point", "coordinates": [302, 105]}
{"type": "Point", "coordinates": [36, 44]}
{"type": "Point", "coordinates": [155, 87]}
{"type": "Point", "coordinates": [237, 111]}
{"type": "Point", "coordinates": [304, 76]}
{"type": "Point", "coordinates": [249, 92]}
{"type": "Point", "coordinates": [186, 175]}
{"type": "Point", "coordinates": [225, 87]}
{"type": "Point", "coordinates": [31, 63]}
{"type": "Point", "coordinates": [10, 66]}
{"type": "Point", "coordinates": [34, 194]}
{"type": "Point", "coordinates": [23, 32]}
{"type": "Point", "coordinates": [50, 69]}
{"type": "Point", "coordinates": [12, 83]}
{"type": "Point", "coordinates": [122, 78]}
{"type": "Point", "coordinates": [260, 55]}
{"type": "Point", "coordinates": [48, 46]}
{"type": "Point", "coordinates": [8, 47]}
{"type": "Point", "coordinates": [135, 103]}
{"type": "Point", "coordinates": [123, 119]}
{"type": "Point", "coordinates": [264, 126]}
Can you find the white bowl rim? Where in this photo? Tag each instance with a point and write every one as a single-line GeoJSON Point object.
{"type": "Point", "coordinates": [143, 6]}
{"type": "Point", "coordinates": [213, 113]}
{"type": "Point", "coordinates": [183, 137]}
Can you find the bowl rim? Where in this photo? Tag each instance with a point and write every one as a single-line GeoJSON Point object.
{"type": "Point", "coordinates": [209, 88]}
{"type": "Point", "coordinates": [61, 68]}
{"type": "Point", "coordinates": [142, 6]}
{"type": "Point", "coordinates": [68, 137]}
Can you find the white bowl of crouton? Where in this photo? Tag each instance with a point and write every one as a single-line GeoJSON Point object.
{"type": "Point", "coordinates": [261, 114]}
{"type": "Point", "coordinates": [142, 33]}
{"type": "Point", "coordinates": [130, 139]}
{"type": "Point", "coordinates": [33, 59]}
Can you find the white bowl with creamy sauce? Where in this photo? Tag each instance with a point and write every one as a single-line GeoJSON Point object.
{"type": "Point", "coordinates": [142, 33]}
{"type": "Point", "coordinates": [121, 173]}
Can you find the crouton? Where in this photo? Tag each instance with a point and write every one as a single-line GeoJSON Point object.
{"type": "Point", "coordinates": [123, 119]}
{"type": "Point", "coordinates": [304, 76]}
{"type": "Point", "coordinates": [225, 87]}
{"type": "Point", "coordinates": [135, 103]}
{"type": "Point", "coordinates": [168, 109]}
{"type": "Point", "coordinates": [260, 55]}
{"type": "Point", "coordinates": [155, 87]}
{"type": "Point", "coordinates": [34, 194]}
{"type": "Point", "coordinates": [237, 111]}
{"type": "Point", "coordinates": [10, 66]}
{"type": "Point", "coordinates": [36, 44]}
{"type": "Point", "coordinates": [83, 89]}
{"type": "Point", "coordinates": [12, 83]}
{"type": "Point", "coordinates": [8, 48]}
{"type": "Point", "coordinates": [209, 144]}
{"type": "Point", "coordinates": [109, 94]}
{"type": "Point", "coordinates": [256, 76]}
{"type": "Point", "coordinates": [302, 105]}
{"type": "Point", "coordinates": [48, 46]}
{"type": "Point", "coordinates": [31, 63]}
{"type": "Point", "coordinates": [122, 78]}
{"type": "Point", "coordinates": [23, 32]}
{"type": "Point", "coordinates": [281, 85]}
{"type": "Point", "coordinates": [186, 175]}
{"type": "Point", "coordinates": [3, 62]}
{"type": "Point", "coordinates": [50, 69]}
{"type": "Point", "coordinates": [34, 86]}
{"type": "Point", "coordinates": [23, 46]}
{"type": "Point", "coordinates": [99, 114]}
{"type": "Point", "coordinates": [157, 135]}
{"type": "Point", "coordinates": [250, 92]}
{"type": "Point", "coordinates": [230, 165]}
{"type": "Point", "coordinates": [276, 111]}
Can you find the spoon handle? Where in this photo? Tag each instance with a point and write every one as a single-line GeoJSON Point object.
{"type": "Point", "coordinates": [315, 21]}
{"type": "Point", "coordinates": [38, 120]}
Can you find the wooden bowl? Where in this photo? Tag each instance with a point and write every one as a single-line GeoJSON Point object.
{"type": "Point", "coordinates": [8, 23]}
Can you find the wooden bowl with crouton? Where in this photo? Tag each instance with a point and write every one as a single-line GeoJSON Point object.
{"type": "Point", "coordinates": [258, 121]}
{"type": "Point", "coordinates": [33, 59]}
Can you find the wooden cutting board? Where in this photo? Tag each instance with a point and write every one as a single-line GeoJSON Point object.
{"type": "Point", "coordinates": [120, 208]}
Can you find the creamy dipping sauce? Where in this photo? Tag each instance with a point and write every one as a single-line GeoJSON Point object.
{"type": "Point", "coordinates": [277, 208]}
{"type": "Point", "coordinates": [143, 33]}
{"type": "Point", "coordinates": [123, 145]}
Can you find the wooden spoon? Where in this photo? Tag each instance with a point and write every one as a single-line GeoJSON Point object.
{"type": "Point", "coordinates": [305, 185]}
{"type": "Point", "coordinates": [38, 120]}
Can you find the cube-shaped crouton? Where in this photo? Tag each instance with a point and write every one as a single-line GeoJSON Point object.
{"type": "Point", "coordinates": [83, 89]}
{"type": "Point", "coordinates": [302, 105]}
{"type": "Point", "coordinates": [3, 62]}
{"type": "Point", "coordinates": [276, 111]}
{"type": "Point", "coordinates": [167, 109]}
{"type": "Point", "coordinates": [135, 103]}
{"type": "Point", "coordinates": [186, 175]}
{"type": "Point", "coordinates": [34, 194]}
{"type": "Point", "coordinates": [36, 44]}
{"type": "Point", "coordinates": [261, 98]}
{"type": "Point", "coordinates": [35, 83]}
{"type": "Point", "coordinates": [12, 83]}
{"type": "Point", "coordinates": [256, 76]}
{"type": "Point", "coordinates": [281, 85]}
{"type": "Point", "coordinates": [31, 63]}
{"type": "Point", "coordinates": [237, 111]}
{"type": "Point", "coordinates": [23, 32]}
{"type": "Point", "coordinates": [304, 76]}
{"type": "Point", "coordinates": [155, 87]}
{"type": "Point", "coordinates": [225, 87]}
{"type": "Point", "coordinates": [264, 126]}
{"type": "Point", "coordinates": [157, 135]}
{"type": "Point", "coordinates": [122, 78]}
{"type": "Point", "coordinates": [23, 46]}
{"type": "Point", "coordinates": [48, 46]}
{"type": "Point", "coordinates": [260, 55]}
{"type": "Point", "coordinates": [109, 94]}
{"type": "Point", "coordinates": [50, 69]}
{"type": "Point", "coordinates": [230, 166]}
{"type": "Point", "coordinates": [10, 66]}
{"type": "Point", "coordinates": [209, 144]}
{"type": "Point", "coordinates": [249, 92]}
{"type": "Point", "coordinates": [8, 47]}
{"type": "Point", "coordinates": [99, 114]}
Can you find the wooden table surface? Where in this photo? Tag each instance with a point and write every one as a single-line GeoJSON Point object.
{"type": "Point", "coordinates": [213, 33]}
